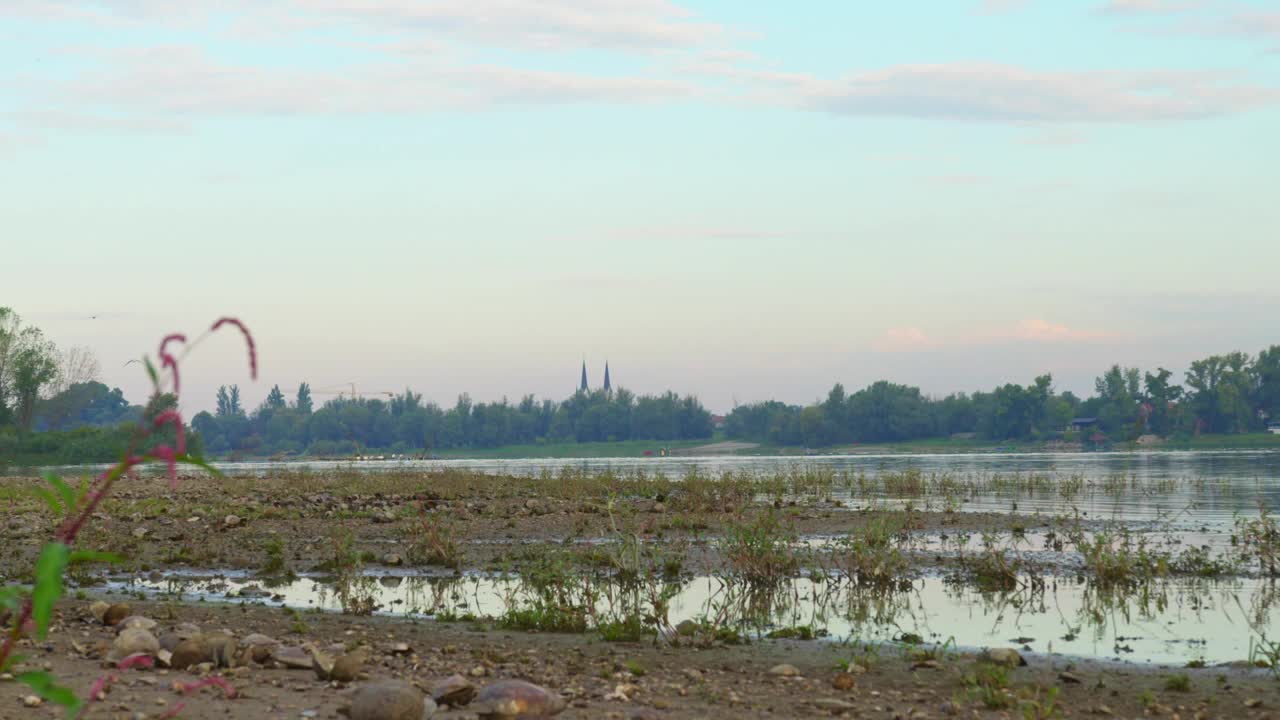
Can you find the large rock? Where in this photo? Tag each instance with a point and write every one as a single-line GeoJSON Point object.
{"type": "Point", "coordinates": [388, 700]}
{"type": "Point", "coordinates": [134, 641]}
{"type": "Point", "coordinates": [213, 648]}
{"type": "Point", "coordinates": [136, 621]}
{"type": "Point", "coordinates": [516, 699]}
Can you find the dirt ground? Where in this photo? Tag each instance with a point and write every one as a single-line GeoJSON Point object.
{"type": "Point", "coordinates": [613, 680]}
{"type": "Point", "coordinates": [230, 523]}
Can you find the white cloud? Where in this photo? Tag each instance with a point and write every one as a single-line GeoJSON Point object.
{"type": "Point", "coordinates": [531, 24]}
{"type": "Point", "coordinates": [987, 92]}
{"type": "Point", "coordinates": [1146, 7]}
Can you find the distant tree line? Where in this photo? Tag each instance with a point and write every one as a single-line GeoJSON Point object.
{"type": "Point", "coordinates": [404, 423]}
{"type": "Point", "coordinates": [1232, 393]}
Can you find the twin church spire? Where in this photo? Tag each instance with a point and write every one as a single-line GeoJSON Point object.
{"type": "Point", "coordinates": [583, 387]}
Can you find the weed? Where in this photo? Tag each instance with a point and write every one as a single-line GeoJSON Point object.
{"type": "Point", "coordinates": [1178, 683]}
{"type": "Point", "coordinates": [433, 540]}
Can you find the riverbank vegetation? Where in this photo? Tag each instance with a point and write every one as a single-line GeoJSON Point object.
{"type": "Point", "coordinates": [53, 410]}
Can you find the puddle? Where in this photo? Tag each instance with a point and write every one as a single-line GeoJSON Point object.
{"type": "Point", "coordinates": [1170, 623]}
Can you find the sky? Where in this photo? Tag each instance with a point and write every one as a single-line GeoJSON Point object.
{"type": "Point", "coordinates": [740, 200]}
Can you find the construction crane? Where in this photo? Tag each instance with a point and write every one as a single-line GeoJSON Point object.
{"type": "Point", "coordinates": [353, 394]}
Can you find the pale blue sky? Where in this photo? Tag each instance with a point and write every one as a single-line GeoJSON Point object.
{"type": "Point", "coordinates": [738, 199]}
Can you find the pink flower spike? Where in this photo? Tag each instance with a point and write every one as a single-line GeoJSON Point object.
{"type": "Point", "coordinates": [173, 711]}
{"type": "Point", "coordinates": [166, 453]}
{"type": "Point", "coordinates": [168, 361]}
{"type": "Point", "coordinates": [136, 660]}
{"type": "Point", "coordinates": [253, 351]}
{"type": "Point", "coordinates": [212, 680]}
{"type": "Point", "coordinates": [174, 417]}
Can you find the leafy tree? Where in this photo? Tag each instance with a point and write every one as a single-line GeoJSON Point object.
{"type": "Point", "coordinates": [275, 399]}
{"type": "Point", "coordinates": [302, 402]}
{"type": "Point", "coordinates": [1266, 383]}
{"type": "Point", "coordinates": [1220, 387]}
{"type": "Point", "coordinates": [35, 365]}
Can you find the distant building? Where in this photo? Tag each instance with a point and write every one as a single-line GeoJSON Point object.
{"type": "Point", "coordinates": [1081, 423]}
{"type": "Point", "coordinates": [1274, 428]}
{"type": "Point", "coordinates": [607, 386]}
{"type": "Point", "coordinates": [583, 386]}
{"type": "Point", "coordinates": [718, 421]}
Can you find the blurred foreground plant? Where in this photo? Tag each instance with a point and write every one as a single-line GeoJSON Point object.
{"type": "Point", "coordinates": [160, 436]}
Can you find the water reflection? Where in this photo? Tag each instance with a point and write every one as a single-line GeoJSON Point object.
{"type": "Point", "coordinates": [1159, 622]}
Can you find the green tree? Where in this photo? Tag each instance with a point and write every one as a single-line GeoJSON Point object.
{"type": "Point", "coordinates": [1220, 387]}
{"type": "Point", "coordinates": [35, 365]}
{"type": "Point", "coordinates": [1160, 399]}
{"type": "Point", "coordinates": [302, 402]}
{"type": "Point", "coordinates": [1266, 383]}
{"type": "Point", "coordinates": [275, 398]}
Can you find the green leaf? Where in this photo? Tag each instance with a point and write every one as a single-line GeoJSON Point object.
{"type": "Point", "coordinates": [46, 687]}
{"type": "Point", "coordinates": [13, 661]}
{"type": "Point", "coordinates": [79, 556]}
{"type": "Point", "coordinates": [64, 490]}
{"type": "Point", "coordinates": [11, 597]}
{"type": "Point", "coordinates": [151, 371]}
{"type": "Point", "coordinates": [49, 570]}
{"type": "Point", "coordinates": [200, 462]}
{"type": "Point", "coordinates": [49, 499]}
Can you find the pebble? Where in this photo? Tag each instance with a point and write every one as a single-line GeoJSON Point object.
{"type": "Point", "coordinates": [388, 700]}
{"type": "Point", "coordinates": [32, 701]}
{"type": "Point", "coordinates": [1070, 678]}
{"type": "Point", "coordinates": [231, 521]}
{"type": "Point", "coordinates": [348, 667]}
{"type": "Point", "coordinates": [392, 560]}
{"type": "Point", "coordinates": [99, 610]}
{"type": "Point", "coordinates": [1007, 657]}
{"type": "Point", "coordinates": [784, 670]}
{"type": "Point", "coordinates": [843, 681]}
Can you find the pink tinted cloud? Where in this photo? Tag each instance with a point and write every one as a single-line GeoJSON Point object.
{"type": "Point", "coordinates": [1028, 330]}
{"type": "Point", "coordinates": [904, 339]}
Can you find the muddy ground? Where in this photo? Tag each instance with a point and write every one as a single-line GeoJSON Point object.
{"type": "Point", "coordinates": [208, 523]}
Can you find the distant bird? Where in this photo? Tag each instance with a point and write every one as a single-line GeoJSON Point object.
{"type": "Point", "coordinates": [132, 362]}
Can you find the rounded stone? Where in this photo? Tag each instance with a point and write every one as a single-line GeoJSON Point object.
{"type": "Point", "coordinates": [388, 700]}
{"type": "Point", "coordinates": [516, 699]}
{"type": "Point", "coordinates": [115, 613]}
{"type": "Point", "coordinates": [134, 641]}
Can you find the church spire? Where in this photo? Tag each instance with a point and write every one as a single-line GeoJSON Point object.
{"type": "Point", "coordinates": [607, 386]}
{"type": "Point", "coordinates": [583, 386]}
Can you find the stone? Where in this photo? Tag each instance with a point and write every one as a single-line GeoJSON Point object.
{"type": "Point", "coordinates": [115, 613]}
{"type": "Point", "coordinates": [686, 628]}
{"type": "Point", "coordinates": [294, 658]}
{"type": "Point", "coordinates": [843, 681]}
{"type": "Point", "coordinates": [321, 663]}
{"type": "Point", "coordinates": [99, 610]}
{"type": "Point", "coordinates": [140, 532]}
{"type": "Point", "coordinates": [1070, 678]}
{"type": "Point", "coordinates": [833, 706]}
{"type": "Point", "coordinates": [134, 641]}
{"type": "Point", "coordinates": [32, 701]}
{"type": "Point", "coordinates": [186, 654]}
{"type": "Point", "coordinates": [1007, 657]}
{"type": "Point", "coordinates": [231, 521]}
{"type": "Point", "coordinates": [388, 700]}
{"type": "Point", "coordinates": [454, 691]}
{"type": "Point", "coordinates": [784, 670]}
{"type": "Point", "coordinates": [401, 648]}
{"type": "Point", "coordinates": [392, 560]}
{"type": "Point", "coordinates": [136, 621]}
{"type": "Point", "coordinates": [348, 667]}
{"type": "Point", "coordinates": [516, 699]}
